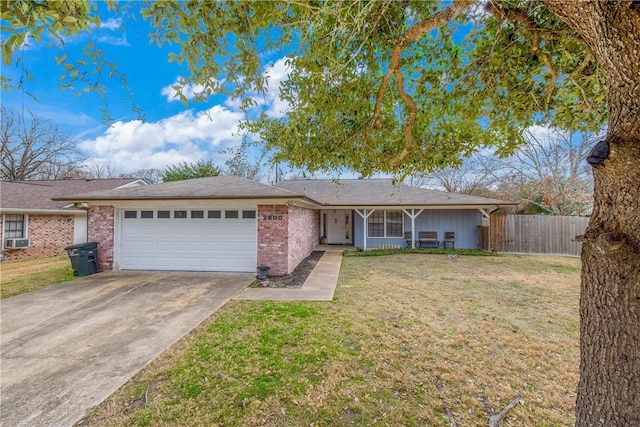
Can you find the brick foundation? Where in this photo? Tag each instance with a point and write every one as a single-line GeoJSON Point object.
{"type": "Point", "coordinates": [49, 235]}
{"type": "Point", "coordinates": [100, 224]}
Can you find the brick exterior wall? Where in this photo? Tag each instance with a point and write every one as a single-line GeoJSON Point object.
{"type": "Point", "coordinates": [286, 236]}
{"type": "Point", "coordinates": [100, 224]}
{"type": "Point", "coordinates": [304, 234]}
{"type": "Point", "coordinates": [273, 245]}
{"type": "Point", "coordinates": [49, 235]}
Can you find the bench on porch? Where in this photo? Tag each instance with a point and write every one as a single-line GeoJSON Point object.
{"type": "Point", "coordinates": [428, 239]}
{"type": "Point", "coordinates": [408, 237]}
{"type": "Point", "coordinates": [449, 239]}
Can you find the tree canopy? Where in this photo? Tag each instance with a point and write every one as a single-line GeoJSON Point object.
{"type": "Point", "coordinates": [184, 170]}
{"type": "Point", "coordinates": [376, 86]}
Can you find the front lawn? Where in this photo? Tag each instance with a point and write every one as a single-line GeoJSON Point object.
{"type": "Point", "coordinates": [19, 277]}
{"type": "Point", "coordinates": [410, 340]}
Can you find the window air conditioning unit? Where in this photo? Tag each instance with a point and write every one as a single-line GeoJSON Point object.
{"type": "Point", "coordinates": [16, 243]}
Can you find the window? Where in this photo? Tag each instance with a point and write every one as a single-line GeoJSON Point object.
{"type": "Point", "coordinates": [394, 223]}
{"type": "Point", "coordinates": [385, 224]}
{"type": "Point", "coordinates": [179, 214]}
{"type": "Point", "coordinates": [214, 214]}
{"type": "Point", "coordinates": [197, 214]}
{"type": "Point", "coordinates": [14, 227]}
{"type": "Point", "coordinates": [164, 214]}
{"type": "Point", "coordinates": [130, 214]}
{"type": "Point", "coordinates": [231, 214]}
{"type": "Point", "coordinates": [248, 214]}
{"type": "Point", "coordinates": [146, 214]}
{"type": "Point", "coordinates": [376, 224]}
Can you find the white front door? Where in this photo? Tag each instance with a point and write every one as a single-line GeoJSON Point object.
{"type": "Point", "coordinates": [338, 227]}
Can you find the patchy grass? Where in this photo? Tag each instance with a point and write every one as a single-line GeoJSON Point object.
{"type": "Point", "coordinates": [409, 340]}
{"type": "Point", "coordinates": [433, 251]}
{"type": "Point", "coordinates": [19, 277]}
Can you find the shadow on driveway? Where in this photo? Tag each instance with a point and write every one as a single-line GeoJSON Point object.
{"type": "Point", "coordinates": [67, 347]}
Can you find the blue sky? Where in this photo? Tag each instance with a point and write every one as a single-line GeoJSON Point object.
{"type": "Point", "coordinates": [170, 132]}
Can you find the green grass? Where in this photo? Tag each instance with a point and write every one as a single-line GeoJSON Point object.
{"type": "Point", "coordinates": [19, 277]}
{"type": "Point", "coordinates": [407, 340]}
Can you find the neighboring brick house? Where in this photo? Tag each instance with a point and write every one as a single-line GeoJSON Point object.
{"type": "Point", "coordinates": [34, 226]}
{"type": "Point", "coordinates": [231, 224]}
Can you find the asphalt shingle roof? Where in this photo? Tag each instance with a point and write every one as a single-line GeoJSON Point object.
{"type": "Point", "coordinates": [16, 195]}
{"type": "Point", "coordinates": [218, 187]}
{"type": "Point", "coordinates": [348, 192]}
{"type": "Point", "coordinates": [380, 192]}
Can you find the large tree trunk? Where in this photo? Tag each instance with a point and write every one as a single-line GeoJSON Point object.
{"type": "Point", "coordinates": [609, 388]}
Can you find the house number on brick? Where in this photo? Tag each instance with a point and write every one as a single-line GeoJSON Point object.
{"type": "Point", "coordinates": [272, 217]}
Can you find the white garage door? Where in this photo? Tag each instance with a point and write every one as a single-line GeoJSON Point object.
{"type": "Point", "coordinates": [193, 240]}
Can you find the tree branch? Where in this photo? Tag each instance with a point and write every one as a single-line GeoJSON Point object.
{"type": "Point", "coordinates": [494, 419]}
{"type": "Point", "coordinates": [413, 33]}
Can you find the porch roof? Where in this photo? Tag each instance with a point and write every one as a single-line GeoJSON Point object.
{"type": "Point", "coordinates": [381, 193]}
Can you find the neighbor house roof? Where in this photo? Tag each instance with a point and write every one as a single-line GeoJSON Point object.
{"type": "Point", "coordinates": [218, 187]}
{"type": "Point", "coordinates": [380, 192]}
{"type": "Point", "coordinates": [17, 196]}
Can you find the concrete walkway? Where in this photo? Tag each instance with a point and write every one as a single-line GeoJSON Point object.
{"type": "Point", "coordinates": [319, 286]}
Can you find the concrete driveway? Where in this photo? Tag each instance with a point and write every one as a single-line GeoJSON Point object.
{"type": "Point", "coordinates": [66, 348]}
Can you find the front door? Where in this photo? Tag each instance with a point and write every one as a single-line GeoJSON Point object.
{"type": "Point", "coordinates": [338, 227]}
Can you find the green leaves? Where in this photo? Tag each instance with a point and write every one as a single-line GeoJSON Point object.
{"type": "Point", "coordinates": [184, 170]}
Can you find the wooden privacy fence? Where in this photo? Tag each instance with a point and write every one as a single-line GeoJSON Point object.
{"type": "Point", "coordinates": [537, 234]}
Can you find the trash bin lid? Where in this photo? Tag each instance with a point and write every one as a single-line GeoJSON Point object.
{"type": "Point", "coordinates": [87, 245]}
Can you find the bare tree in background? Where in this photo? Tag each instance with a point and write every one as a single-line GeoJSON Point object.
{"type": "Point", "coordinates": [101, 169]}
{"type": "Point", "coordinates": [33, 148]}
{"type": "Point", "coordinates": [150, 175]}
{"type": "Point", "coordinates": [475, 176]}
{"type": "Point", "coordinates": [240, 165]}
{"type": "Point", "coordinates": [549, 174]}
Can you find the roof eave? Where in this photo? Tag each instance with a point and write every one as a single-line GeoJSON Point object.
{"type": "Point", "coordinates": [419, 206]}
{"type": "Point", "coordinates": [43, 211]}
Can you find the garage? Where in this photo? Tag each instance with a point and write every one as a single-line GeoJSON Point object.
{"type": "Point", "coordinates": [188, 239]}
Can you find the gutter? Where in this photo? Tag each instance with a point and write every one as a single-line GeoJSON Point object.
{"type": "Point", "coordinates": [44, 211]}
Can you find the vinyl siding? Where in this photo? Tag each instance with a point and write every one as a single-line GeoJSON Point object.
{"type": "Point", "coordinates": [463, 222]}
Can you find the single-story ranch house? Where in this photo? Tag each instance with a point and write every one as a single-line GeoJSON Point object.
{"type": "Point", "coordinates": [228, 223]}
{"type": "Point", "coordinates": [34, 226]}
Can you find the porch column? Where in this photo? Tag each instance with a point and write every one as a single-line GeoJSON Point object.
{"type": "Point", "coordinates": [413, 215]}
{"type": "Point", "coordinates": [486, 215]}
{"type": "Point", "coordinates": [364, 214]}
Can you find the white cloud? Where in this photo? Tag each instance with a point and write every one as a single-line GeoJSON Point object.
{"type": "Point", "coordinates": [276, 74]}
{"type": "Point", "coordinates": [188, 90]}
{"type": "Point", "coordinates": [187, 136]}
{"type": "Point", "coordinates": [113, 24]}
{"type": "Point", "coordinates": [114, 40]}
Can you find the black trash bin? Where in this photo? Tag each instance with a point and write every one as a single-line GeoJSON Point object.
{"type": "Point", "coordinates": [84, 258]}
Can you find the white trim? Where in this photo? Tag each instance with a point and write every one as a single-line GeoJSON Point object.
{"type": "Point", "coordinates": [364, 216]}
{"type": "Point", "coordinates": [13, 211]}
{"type": "Point", "coordinates": [413, 217]}
{"type": "Point", "coordinates": [136, 183]}
{"type": "Point", "coordinates": [132, 203]}
{"type": "Point", "coordinates": [384, 223]}
{"type": "Point", "coordinates": [25, 228]}
{"type": "Point", "coordinates": [425, 206]}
